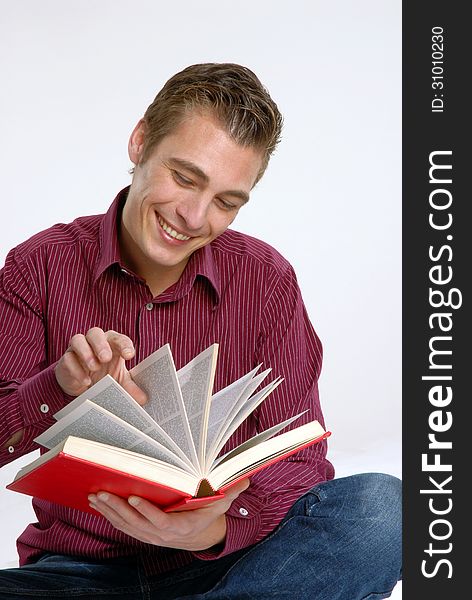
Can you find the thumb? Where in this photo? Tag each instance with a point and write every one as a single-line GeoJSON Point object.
{"type": "Point", "coordinates": [134, 390]}
{"type": "Point", "coordinates": [238, 488]}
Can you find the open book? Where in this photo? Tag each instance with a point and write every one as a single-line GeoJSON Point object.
{"type": "Point", "coordinates": [167, 451]}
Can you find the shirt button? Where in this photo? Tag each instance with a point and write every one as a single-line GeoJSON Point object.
{"type": "Point", "coordinates": [149, 305]}
{"type": "Point", "coordinates": [44, 408]}
{"type": "Point", "coordinates": [243, 512]}
{"type": "Point", "coordinates": [11, 449]}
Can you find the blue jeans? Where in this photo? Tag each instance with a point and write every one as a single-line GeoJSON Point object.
{"type": "Point", "coordinates": [340, 541]}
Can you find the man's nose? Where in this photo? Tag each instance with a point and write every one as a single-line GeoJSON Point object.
{"type": "Point", "coordinates": [194, 211]}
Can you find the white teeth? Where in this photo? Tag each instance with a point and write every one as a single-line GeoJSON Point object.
{"type": "Point", "coordinates": [172, 232]}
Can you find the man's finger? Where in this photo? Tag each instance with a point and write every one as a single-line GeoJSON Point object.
{"type": "Point", "coordinates": [98, 342]}
{"type": "Point", "coordinates": [82, 350]}
{"type": "Point", "coordinates": [149, 510]}
{"type": "Point", "coordinates": [120, 344]}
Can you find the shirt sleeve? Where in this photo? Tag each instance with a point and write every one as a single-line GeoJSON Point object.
{"type": "Point", "coordinates": [289, 345]}
{"type": "Point", "coordinates": [29, 392]}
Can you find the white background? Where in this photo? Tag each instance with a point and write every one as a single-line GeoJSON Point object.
{"type": "Point", "coordinates": [76, 76]}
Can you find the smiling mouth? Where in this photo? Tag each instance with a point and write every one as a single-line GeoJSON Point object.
{"type": "Point", "coordinates": [168, 229]}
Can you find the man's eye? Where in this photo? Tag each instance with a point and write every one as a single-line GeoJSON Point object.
{"type": "Point", "coordinates": [226, 205]}
{"type": "Point", "coordinates": [180, 179]}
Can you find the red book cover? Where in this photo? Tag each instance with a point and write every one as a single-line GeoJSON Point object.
{"type": "Point", "coordinates": [68, 480]}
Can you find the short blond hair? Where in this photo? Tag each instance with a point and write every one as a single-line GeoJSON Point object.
{"type": "Point", "coordinates": [228, 92]}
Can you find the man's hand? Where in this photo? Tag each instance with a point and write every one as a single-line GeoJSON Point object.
{"type": "Point", "coordinates": [192, 530]}
{"type": "Point", "coordinates": [91, 356]}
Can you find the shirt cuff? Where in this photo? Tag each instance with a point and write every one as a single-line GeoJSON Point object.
{"type": "Point", "coordinates": [41, 396]}
{"type": "Point", "coordinates": [243, 527]}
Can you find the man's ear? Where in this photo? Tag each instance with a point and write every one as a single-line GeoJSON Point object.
{"type": "Point", "coordinates": [136, 142]}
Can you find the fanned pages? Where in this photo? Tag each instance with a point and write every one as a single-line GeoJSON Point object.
{"type": "Point", "coordinates": [196, 383]}
{"type": "Point", "coordinates": [257, 439]}
{"type": "Point", "coordinates": [235, 419]}
{"type": "Point", "coordinates": [109, 394]}
{"type": "Point", "coordinates": [167, 451]}
{"type": "Point", "coordinates": [156, 375]}
{"type": "Point", "coordinates": [95, 423]}
{"type": "Point", "coordinates": [223, 402]}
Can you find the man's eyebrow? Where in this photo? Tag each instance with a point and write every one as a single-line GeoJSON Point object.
{"type": "Point", "coordinates": [192, 168]}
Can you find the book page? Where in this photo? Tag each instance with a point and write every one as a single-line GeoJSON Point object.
{"type": "Point", "coordinates": [255, 456]}
{"type": "Point", "coordinates": [93, 422]}
{"type": "Point", "coordinates": [257, 439]}
{"type": "Point", "coordinates": [235, 419]}
{"type": "Point", "coordinates": [109, 394]}
{"type": "Point", "coordinates": [226, 401]}
{"type": "Point", "coordinates": [196, 383]}
{"type": "Point", "coordinates": [156, 375]}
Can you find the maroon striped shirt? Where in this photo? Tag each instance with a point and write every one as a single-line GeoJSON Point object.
{"type": "Point", "coordinates": [238, 291]}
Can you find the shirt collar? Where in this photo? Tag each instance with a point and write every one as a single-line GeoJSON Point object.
{"type": "Point", "coordinates": [201, 263]}
{"type": "Point", "coordinates": [109, 248]}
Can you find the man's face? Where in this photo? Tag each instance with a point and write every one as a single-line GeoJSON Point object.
{"type": "Point", "coordinates": [185, 195]}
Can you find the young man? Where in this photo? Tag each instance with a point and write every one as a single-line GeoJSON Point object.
{"type": "Point", "coordinates": [95, 296]}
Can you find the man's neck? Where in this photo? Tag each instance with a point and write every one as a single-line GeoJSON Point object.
{"type": "Point", "coordinates": [158, 277]}
{"type": "Point", "coordinates": [159, 282]}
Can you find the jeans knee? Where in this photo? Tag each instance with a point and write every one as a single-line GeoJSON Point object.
{"type": "Point", "coordinates": [381, 507]}
{"type": "Point", "coordinates": [379, 495]}
{"type": "Point", "coordinates": [383, 496]}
